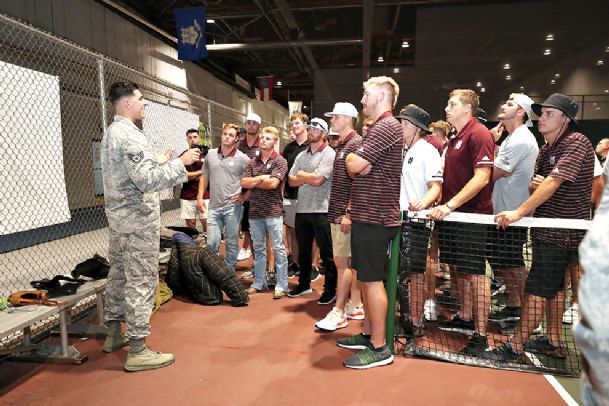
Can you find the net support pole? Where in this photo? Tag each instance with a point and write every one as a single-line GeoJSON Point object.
{"type": "Point", "coordinates": [392, 291]}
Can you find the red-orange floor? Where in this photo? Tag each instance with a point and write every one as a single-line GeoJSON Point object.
{"type": "Point", "coordinates": [267, 353]}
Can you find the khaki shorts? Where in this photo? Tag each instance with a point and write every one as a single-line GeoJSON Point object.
{"type": "Point", "coordinates": [289, 209]}
{"type": "Point", "coordinates": [341, 242]}
{"type": "Point", "coordinates": [188, 210]}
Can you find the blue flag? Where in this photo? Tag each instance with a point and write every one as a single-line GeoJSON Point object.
{"type": "Point", "coordinates": [190, 30]}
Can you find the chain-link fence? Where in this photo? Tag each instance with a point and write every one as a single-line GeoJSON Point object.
{"type": "Point", "coordinates": [53, 113]}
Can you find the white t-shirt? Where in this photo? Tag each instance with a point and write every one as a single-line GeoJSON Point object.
{"type": "Point", "coordinates": [517, 156]}
{"type": "Point", "coordinates": [422, 164]}
{"type": "Point", "coordinates": [603, 207]}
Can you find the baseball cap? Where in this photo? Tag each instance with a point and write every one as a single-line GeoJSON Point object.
{"type": "Point", "coordinates": [333, 133]}
{"type": "Point", "coordinates": [560, 102]}
{"type": "Point", "coordinates": [343, 109]}
{"type": "Point", "coordinates": [318, 123]}
{"type": "Point", "coordinates": [525, 103]}
{"type": "Point", "coordinates": [253, 117]}
{"type": "Point", "coordinates": [416, 116]}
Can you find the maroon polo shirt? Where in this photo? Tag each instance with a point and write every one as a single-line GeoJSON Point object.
{"type": "Point", "coordinates": [570, 158]}
{"type": "Point", "coordinates": [340, 192]}
{"type": "Point", "coordinates": [251, 152]}
{"type": "Point", "coordinates": [266, 203]}
{"type": "Point", "coordinates": [190, 188]}
{"type": "Point", "coordinates": [375, 198]}
{"type": "Point", "coordinates": [433, 140]}
{"type": "Point", "coordinates": [473, 147]}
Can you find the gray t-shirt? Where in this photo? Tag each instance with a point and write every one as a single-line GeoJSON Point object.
{"type": "Point", "coordinates": [224, 174]}
{"type": "Point", "coordinates": [314, 199]}
{"type": "Point", "coordinates": [517, 156]}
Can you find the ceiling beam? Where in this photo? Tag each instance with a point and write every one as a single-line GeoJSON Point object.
{"type": "Point", "coordinates": [368, 13]}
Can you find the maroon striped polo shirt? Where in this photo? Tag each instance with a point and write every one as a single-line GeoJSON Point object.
{"type": "Point", "coordinates": [340, 193]}
{"type": "Point", "coordinates": [266, 203]}
{"type": "Point", "coordinates": [473, 147]}
{"type": "Point", "coordinates": [571, 158]}
{"type": "Point", "coordinates": [375, 198]}
{"type": "Point", "coordinates": [251, 152]}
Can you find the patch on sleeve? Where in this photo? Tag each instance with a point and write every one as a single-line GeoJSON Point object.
{"type": "Point", "coordinates": [136, 158]}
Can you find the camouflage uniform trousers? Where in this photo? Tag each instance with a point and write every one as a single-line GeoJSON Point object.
{"type": "Point", "coordinates": [133, 279]}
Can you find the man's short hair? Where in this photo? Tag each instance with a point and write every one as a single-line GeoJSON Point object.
{"type": "Point", "coordinates": [231, 126]}
{"type": "Point", "coordinates": [271, 130]}
{"type": "Point", "coordinates": [118, 90]}
{"type": "Point", "coordinates": [440, 126]}
{"type": "Point", "coordinates": [387, 83]}
{"type": "Point", "coordinates": [192, 130]}
{"type": "Point", "coordinates": [299, 115]}
{"type": "Point", "coordinates": [467, 96]}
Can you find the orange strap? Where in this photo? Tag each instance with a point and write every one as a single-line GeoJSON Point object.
{"type": "Point", "coordinates": [30, 297]}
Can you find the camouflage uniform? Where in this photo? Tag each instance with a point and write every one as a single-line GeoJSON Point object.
{"type": "Point", "coordinates": [132, 180]}
{"type": "Point", "coordinates": [592, 337]}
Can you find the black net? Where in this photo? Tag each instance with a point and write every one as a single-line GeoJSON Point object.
{"type": "Point", "coordinates": [473, 294]}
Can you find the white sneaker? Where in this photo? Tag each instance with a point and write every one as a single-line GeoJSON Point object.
{"type": "Point", "coordinates": [538, 329]}
{"type": "Point", "coordinates": [571, 314]}
{"type": "Point", "coordinates": [334, 320]}
{"type": "Point", "coordinates": [243, 254]}
{"type": "Point", "coordinates": [355, 312]}
{"type": "Point", "coordinates": [430, 311]}
{"type": "Point", "coordinates": [247, 274]}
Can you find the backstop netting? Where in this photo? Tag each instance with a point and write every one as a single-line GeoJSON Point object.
{"type": "Point", "coordinates": [473, 294]}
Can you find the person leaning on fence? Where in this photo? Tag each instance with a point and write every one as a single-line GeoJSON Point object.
{"type": "Point", "coordinates": [132, 179]}
{"type": "Point", "coordinates": [467, 188]}
{"type": "Point", "coordinates": [561, 189]}
{"type": "Point", "coordinates": [375, 216]}
{"type": "Point", "coordinates": [514, 168]}
{"type": "Point", "coordinates": [420, 187]}
{"type": "Point", "coordinates": [222, 171]}
{"type": "Point", "coordinates": [264, 175]}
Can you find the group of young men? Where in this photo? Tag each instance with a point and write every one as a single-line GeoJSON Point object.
{"type": "Point", "coordinates": [346, 193]}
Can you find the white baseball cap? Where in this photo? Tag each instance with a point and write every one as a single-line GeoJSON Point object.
{"type": "Point", "coordinates": [253, 117]}
{"type": "Point", "coordinates": [319, 123]}
{"type": "Point", "coordinates": [525, 102]}
{"type": "Point", "coordinates": [343, 109]}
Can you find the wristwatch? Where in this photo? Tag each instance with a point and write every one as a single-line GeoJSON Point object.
{"type": "Point", "coordinates": [348, 210]}
{"type": "Point", "coordinates": [451, 205]}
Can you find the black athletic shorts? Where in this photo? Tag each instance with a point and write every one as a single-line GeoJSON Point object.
{"type": "Point", "coordinates": [413, 246]}
{"type": "Point", "coordinates": [463, 245]}
{"type": "Point", "coordinates": [369, 250]}
{"type": "Point", "coordinates": [547, 275]}
{"type": "Point", "coordinates": [504, 247]}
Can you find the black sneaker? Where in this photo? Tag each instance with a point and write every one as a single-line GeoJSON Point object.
{"type": "Point", "coordinates": [507, 314]}
{"type": "Point", "coordinates": [315, 275]}
{"type": "Point", "coordinates": [541, 345]}
{"type": "Point", "coordinates": [458, 325]}
{"type": "Point", "coordinates": [327, 298]}
{"type": "Point", "coordinates": [299, 291]}
{"type": "Point", "coordinates": [504, 353]}
{"type": "Point", "coordinates": [476, 345]}
{"type": "Point", "coordinates": [293, 270]}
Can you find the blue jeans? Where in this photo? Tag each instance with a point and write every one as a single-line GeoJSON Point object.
{"type": "Point", "coordinates": [258, 231]}
{"type": "Point", "coordinates": [229, 219]}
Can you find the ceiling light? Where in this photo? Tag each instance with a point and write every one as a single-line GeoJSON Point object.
{"type": "Point", "coordinates": [305, 107]}
{"type": "Point", "coordinates": [597, 108]}
{"type": "Point", "coordinates": [521, 87]}
{"type": "Point", "coordinates": [478, 84]}
{"type": "Point", "coordinates": [600, 62]}
{"type": "Point", "coordinates": [606, 49]}
{"type": "Point", "coordinates": [550, 37]}
{"type": "Point", "coordinates": [380, 59]}
{"type": "Point", "coordinates": [396, 70]}
{"type": "Point", "coordinates": [482, 89]}
{"type": "Point", "coordinates": [405, 44]}
{"type": "Point", "coordinates": [506, 66]}
{"type": "Point", "coordinates": [557, 75]}
{"type": "Point", "coordinates": [606, 90]}
{"type": "Point", "coordinates": [508, 77]}
{"type": "Point", "coordinates": [279, 83]}
{"type": "Point", "coordinates": [553, 81]}
{"type": "Point", "coordinates": [547, 51]}
{"type": "Point", "coordinates": [210, 21]}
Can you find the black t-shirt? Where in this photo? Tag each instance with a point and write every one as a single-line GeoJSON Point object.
{"type": "Point", "coordinates": [290, 152]}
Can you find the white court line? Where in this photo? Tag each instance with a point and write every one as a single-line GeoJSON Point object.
{"type": "Point", "coordinates": [561, 391]}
